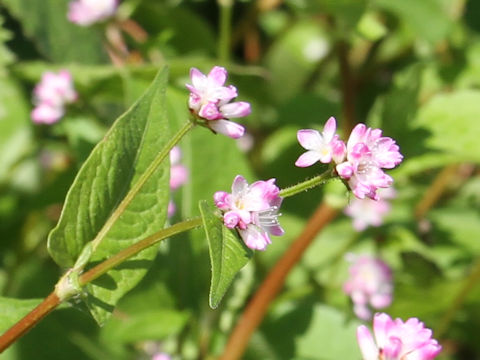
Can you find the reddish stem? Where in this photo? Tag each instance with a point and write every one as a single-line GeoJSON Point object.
{"type": "Point", "coordinates": [258, 306]}
{"type": "Point", "coordinates": [29, 321]}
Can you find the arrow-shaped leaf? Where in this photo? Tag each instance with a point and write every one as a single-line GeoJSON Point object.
{"type": "Point", "coordinates": [228, 253]}
{"type": "Point", "coordinates": [118, 198]}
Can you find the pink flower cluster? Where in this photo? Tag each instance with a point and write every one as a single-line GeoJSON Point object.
{"type": "Point", "coordinates": [87, 12]}
{"type": "Point", "coordinates": [367, 212]}
{"type": "Point", "coordinates": [252, 210]}
{"type": "Point", "coordinates": [370, 283]}
{"type": "Point", "coordinates": [360, 162]}
{"type": "Point", "coordinates": [51, 95]}
{"type": "Point", "coordinates": [178, 175]}
{"type": "Point", "coordinates": [397, 340]}
{"type": "Point", "coordinates": [210, 100]}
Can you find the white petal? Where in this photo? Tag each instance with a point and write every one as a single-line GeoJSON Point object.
{"type": "Point", "coordinates": [367, 345]}
{"type": "Point", "coordinates": [307, 159]}
{"type": "Point", "coordinates": [309, 139]}
{"type": "Point", "coordinates": [226, 127]}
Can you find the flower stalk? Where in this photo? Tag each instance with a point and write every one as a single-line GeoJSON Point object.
{"type": "Point", "coordinates": [307, 184]}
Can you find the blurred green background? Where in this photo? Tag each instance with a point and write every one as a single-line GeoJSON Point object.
{"type": "Point", "coordinates": [410, 67]}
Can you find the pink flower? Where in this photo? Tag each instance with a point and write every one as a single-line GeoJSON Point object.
{"type": "Point", "coordinates": [252, 210]}
{"type": "Point", "coordinates": [87, 12]}
{"type": "Point", "coordinates": [46, 114]}
{"type": "Point", "coordinates": [178, 172]}
{"type": "Point", "coordinates": [51, 95]}
{"type": "Point", "coordinates": [178, 176]}
{"type": "Point", "coordinates": [161, 356]}
{"type": "Point", "coordinates": [211, 101]}
{"type": "Point", "coordinates": [367, 212]}
{"type": "Point", "coordinates": [55, 89]}
{"type": "Point", "coordinates": [367, 154]}
{"type": "Point", "coordinates": [321, 147]}
{"type": "Point", "coordinates": [397, 340]}
{"type": "Point", "coordinates": [370, 283]}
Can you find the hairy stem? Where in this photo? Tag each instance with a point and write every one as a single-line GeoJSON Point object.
{"type": "Point", "coordinates": [258, 306]}
{"type": "Point", "coordinates": [307, 184]}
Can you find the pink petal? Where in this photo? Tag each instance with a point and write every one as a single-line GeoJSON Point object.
{"type": "Point", "coordinates": [239, 185]}
{"type": "Point", "coordinates": [228, 128]}
{"type": "Point", "coordinates": [329, 129]}
{"type": "Point", "coordinates": [178, 176]}
{"type": "Point", "coordinates": [307, 159]}
{"type": "Point", "coordinates": [380, 301]}
{"type": "Point", "coordinates": [382, 323]}
{"type": "Point", "coordinates": [210, 111]}
{"type": "Point", "coordinates": [339, 150]}
{"type": "Point", "coordinates": [309, 139]}
{"type": "Point", "coordinates": [254, 238]}
{"type": "Point", "coordinates": [223, 94]}
{"type": "Point", "coordinates": [198, 78]}
{"type": "Point", "coordinates": [175, 155]}
{"type": "Point", "coordinates": [171, 209]}
{"type": "Point", "coordinates": [46, 114]}
{"type": "Point", "coordinates": [217, 76]}
{"type": "Point", "coordinates": [231, 219]}
{"type": "Point", "coordinates": [221, 200]}
{"type": "Point", "coordinates": [367, 346]}
{"type": "Point", "coordinates": [345, 170]}
{"type": "Point", "coordinates": [356, 135]}
{"type": "Point", "coordinates": [236, 109]}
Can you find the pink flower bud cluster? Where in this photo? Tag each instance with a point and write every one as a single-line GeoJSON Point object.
{"type": "Point", "coordinates": [178, 175]}
{"type": "Point", "coordinates": [369, 284]}
{"type": "Point", "coordinates": [210, 100]}
{"type": "Point", "coordinates": [367, 212]}
{"type": "Point", "coordinates": [397, 340]}
{"type": "Point", "coordinates": [51, 95]}
{"type": "Point", "coordinates": [88, 12]}
{"type": "Point", "coordinates": [252, 210]}
{"type": "Point", "coordinates": [359, 163]}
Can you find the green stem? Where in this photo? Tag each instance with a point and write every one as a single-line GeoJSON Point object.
{"type": "Point", "coordinates": [225, 31]}
{"type": "Point", "coordinates": [139, 184]}
{"type": "Point", "coordinates": [134, 249]}
{"type": "Point", "coordinates": [307, 184]}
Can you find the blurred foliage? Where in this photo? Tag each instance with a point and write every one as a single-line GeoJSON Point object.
{"type": "Point", "coordinates": [409, 67]}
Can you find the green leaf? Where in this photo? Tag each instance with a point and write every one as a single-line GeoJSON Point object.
{"type": "Point", "coordinates": [426, 19]}
{"type": "Point", "coordinates": [46, 23]}
{"type": "Point", "coordinates": [228, 253]}
{"type": "Point", "coordinates": [294, 57]}
{"type": "Point", "coordinates": [15, 130]}
{"type": "Point", "coordinates": [452, 122]}
{"type": "Point", "coordinates": [12, 310]}
{"type": "Point", "coordinates": [112, 170]}
{"type": "Point", "coordinates": [147, 325]}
